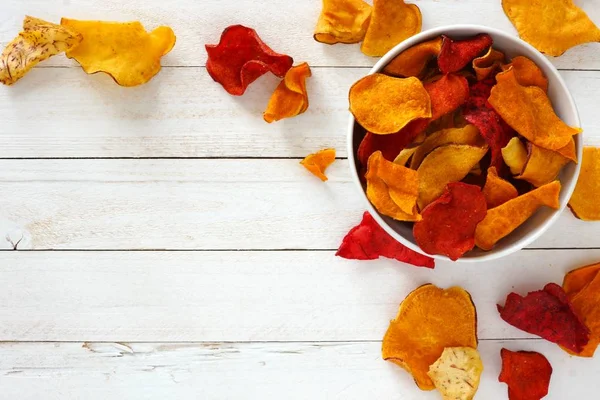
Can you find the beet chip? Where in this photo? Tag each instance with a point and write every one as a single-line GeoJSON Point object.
{"type": "Point", "coordinates": [447, 94]}
{"type": "Point", "coordinates": [448, 224]}
{"type": "Point", "coordinates": [241, 57]}
{"type": "Point", "coordinates": [368, 241]}
{"type": "Point", "coordinates": [526, 373]}
{"type": "Point", "coordinates": [457, 54]}
{"type": "Point", "coordinates": [549, 314]}
{"type": "Point", "coordinates": [390, 145]}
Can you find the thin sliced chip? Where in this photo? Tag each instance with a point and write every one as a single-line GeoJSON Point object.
{"type": "Point", "coordinates": [383, 105]}
{"type": "Point", "coordinates": [241, 57]}
{"type": "Point", "coordinates": [456, 374]}
{"type": "Point", "coordinates": [569, 151]}
{"type": "Point", "coordinates": [448, 224]}
{"type": "Point", "coordinates": [368, 241]}
{"type": "Point", "coordinates": [528, 73]}
{"type": "Point", "coordinates": [290, 97]}
{"type": "Point", "coordinates": [392, 21]}
{"type": "Point", "coordinates": [405, 155]}
{"type": "Point", "coordinates": [38, 41]}
{"type": "Point", "coordinates": [123, 50]}
{"type": "Point", "coordinates": [446, 164]}
{"type": "Point", "coordinates": [542, 166]}
{"type": "Point", "coordinates": [579, 278]}
{"type": "Point", "coordinates": [502, 220]}
{"type": "Point", "coordinates": [515, 155]}
{"type": "Point", "coordinates": [429, 320]}
{"type": "Point", "coordinates": [529, 111]}
{"type": "Point", "coordinates": [526, 373]}
{"type": "Point", "coordinates": [497, 191]}
{"type": "Point", "coordinates": [586, 304]}
{"type": "Point", "coordinates": [457, 54]}
{"type": "Point", "coordinates": [343, 21]}
{"type": "Point", "coordinates": [487, 64]}
{"type": "Point", "coordinates": [584, 202]}
{"type": "Point", "coordinates": [318, 162]}
{"type": "Point", "coordinates": [551, 26]}
{"type": "Point", "coordinates": [468, 134]}
{"type": "Point", "coordinates": [547, 313]}
{"type": "Point", "coordinates": [413, 61]}
{"type": "Point", "coordinates": [447, 94]}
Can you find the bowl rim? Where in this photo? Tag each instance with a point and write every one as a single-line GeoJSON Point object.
{"type": "Point", "coordinates": [567, 188]}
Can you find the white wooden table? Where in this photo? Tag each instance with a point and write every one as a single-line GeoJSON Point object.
{"type": "Point", "coordinates": [176, 249]}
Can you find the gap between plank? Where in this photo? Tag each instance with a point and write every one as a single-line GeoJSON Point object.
{"type": "Point", "coordinates": [242, 342]}
{"type": "Point", "coordinates": [248, 250]}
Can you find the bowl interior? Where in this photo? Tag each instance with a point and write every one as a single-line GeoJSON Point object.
{"type": "Point", "coordinates": [564, 107]}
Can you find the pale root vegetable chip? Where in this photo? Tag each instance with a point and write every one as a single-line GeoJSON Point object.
{"type": "Point", "coordinates": [586, 304]}
{"type": "Point", "coordinates": [456, 374]}
{"type": "Point", "coordinates": [392, 21]}
{"type": "Point", "coordinates": [342, 21]}
{"type": "Point", "coordinates": [528, 110]}
{"type": "Point", "coordinates": [502, 220]}
{"type": "Point", "coordinates": [413, 61]}
{"type": "Point", "coordinates": [528, 73]}
{"type": "Point", "coordinates": [497, 191]}
{"type": "Point", "coordinates": [551, 26]}
{"type": "Point", "coordinates": [584, 202]}
{"type": "Point", "coordinates": [487, 64]}
{"type": "Point", "coordinates": [383, 104]}
{"type": "Point", "coordinates": [468, 134]}
{"type": "Point", "coordinates": [542, 166]}
{"type": "Point", "coordinates": [392, 188]}
{"type": "Point", "coordinates": [445, 164]}
{"type": "Point", "coordinates": [290, 97]}
{"type": "Point", "coordinates": [405, 155]}
{"type": "Point", "coordinates": [38, 41]}
{"type": "Point", "coordinates": [429, 320]}
{"type": "Point", "coordinates": [123, 50]}
{"type": "Point", "coordinates": [515, 155]}
{"type": "Point", "coordinates": [318, 162]}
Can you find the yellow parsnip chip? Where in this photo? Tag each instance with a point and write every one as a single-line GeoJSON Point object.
{"type": "Point", "coordinates": [343, 21]}
{"type": "Point", "coordinates": [515, 155]}
{"type": "Point", "coordinates": [497, 191]}
{"type": "Point", "coordinates": [468, 134]}
{"type": "Point", "coordinates": [528, 73]}
{"type": "Point", "coordinates": [485, 65]}
{"type": "Point", "coordinates": [318, 162]}
{"type": "Point", "coordinates": [38, 41]}
{"type": "Point", "coordinates": [584, 202]}
{"type": "Point", "coordinates": [124, 50]}
{"type": "Point", "coordinates": [412, 61]}
{"type": "Point", "coordinates": [542, 166]}
{"type": "Point", "coordinates": [456, 373]}
{"type": "Point", "coordinates": [290, 97]}
{"type": "Point", "coordinates": [392, 22]}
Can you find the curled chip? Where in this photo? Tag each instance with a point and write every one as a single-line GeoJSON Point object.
{"type": "Point", "coordinates": [290, 97]}
{"type": "Point", "coordinates": [497, 191]}
{"type": "Point", "coordinates": [579, 278]}
{"type": "Point", "coordinates": [551, 26]}
{"type": "Point", "coordinates": [446, 164]}
{"type": "Point", "coordinates": [468, 134]}
{"type": "Point", "coordinates": [569, 151]}
{"type": "Point", "coordinates": [392, 22]}
{"type": "Point", "coordinates": [502, 220]}
{"type": "Point", "coordinates": [456, 373]}
{"type": "Point", "coordinates": [542, 166]}
{"type": "Point", "coordinates": [368, 241]}
{"type": "Point", "coordinates": [382, 104]}
{"type": "Point", "coordinates": [584, 201]}
{"type": "Point", "coordinates": [318, 162]}
{"type": "Point", "coordinates": [528, 110]}
{"type": "Point", "coordinates": [404, 156]}
{"type": "Point", "coordinates": [515, 155]}
{"type": "Point", "coordinates": [343, 21]}
{"type": "Point", "coordinates": [526, 373]}
{"type": "Point", "coordinates": [429, 320]}
{"type": "Point", "coordinates": [487, 64]}
{"type": "Point", "coordinates": [528, 73]}
{"type": "Point", "coordinates": [123, 50]}
{"type": "Point", "coordinates": [390, 145]}
{"type": "Point", "coordinates": [447, 94]}
{"type": "Point", "coordinates": [549, 314]}
{"type": "Point", "coordinates": [457, 54]}
{"type": "Point", "coordinates": [241, 57]}
{"type": "Point", "coordinates": [392, 188]}
{"type": "Point", "coordinates": [38, 41]}
{"type": "Point", "coordinates": [449, 222]}
{"type": "Point", "coordinates": [413, 61]}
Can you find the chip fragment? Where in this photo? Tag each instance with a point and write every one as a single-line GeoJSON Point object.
{"type": "Point", "coordinates": [414, 60]}
{"type": "Point", "coordinates": [457, 54]}
{"type": "Point", "coordinates": [528, 73]}
{"type": "Point", "coordinates": [542, 166]}
{"type": "Point", "coordinates": [38, 41]}
{"type": "Point", "coordinates": [343, 21]}
{"type": "Point", "coordinates": [487, 64]}
{"type": "Point", "coordinates": [468, 134]}
{"type": "Point", "coordinates": [526, 373]}
{"type": "Point", "coordinates": [497, 191]}
{"type": "Point", "coordinates": [123, 50]}
{"type": "Point", "coordinates": [515, 155]}
{"type": "Point", "coordinates": [290, 97]}
{"type": "Point", "coordinates": [456, 374]}
{"type": "Point", "coordinates": [584, 202]}
{"type": "Point", "coordinates": [318, 162]}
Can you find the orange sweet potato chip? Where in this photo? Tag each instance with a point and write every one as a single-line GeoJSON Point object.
{"type": "Point", "coordinates": [551, 26]}
{"type": "Point", "coordinates": [487, 64]}
{"type": "Point", "coordinates": [542, 166]}
{"type": "Point", "coordinates": [429, 320]}
{"type": "Point", "coordinates": [502, 220]}
{"type": "Point", "coordinates": [465, 135]}
{"type": "Point", "coordinates": [290, 97]}
{"type": "Point", "coordinates": [392, 188]}
{"type": "Point", "coordinates": [383, 104]}
{"type": "Point", "coordinates": [497, 191]}
{"type": "Point", "coordinates": [528, 73]}
{"type": "Point", "coordinates": [569, 151]}
{"type": "Point", "coordinates": [413, 61]}
{"type": "Point", "coordinates": [318, 162]}
{"type": "Point", "coordinates": [584, 201]}
{"type": "Point", "coordinates": [123, 50]}
{"type": "Point", "coordinates": [392, 22]}
{"type": "Point", "coordinates": [343, 21]}
{"type": "Point", "coordinates": [515, 155]}
{"type": "Point", "coordinates": [579, 278]}
{"type": "Point", "coordinates": [528, 110]}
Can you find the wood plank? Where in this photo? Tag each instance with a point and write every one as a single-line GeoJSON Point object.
{"type": "Point", "coordinates": [62, 113]}
{"type": "Point", "coordinates": [286, 26]}
{"type": "Point", "coordinates": [244, 296]}
{"type": "Point", "coordinates": [30, 371]}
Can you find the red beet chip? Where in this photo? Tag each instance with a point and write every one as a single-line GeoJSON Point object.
{"type": "Point", "coordinates": [448, 224]}
{"type": "Point", "coordinates": [457, 54]}
{"type": "Point", "coordinates": [549, 314]}
{"type": "Point", "coordinates": [368, 241]}
{"type": "Point", "coordinates": [241, 57]}
{"type": "Point", "coordinates": [526, 373]}
{"type": "Point", "coordinates": [447, 94]}
{"type": "Point", "coordinates": [390, 145]}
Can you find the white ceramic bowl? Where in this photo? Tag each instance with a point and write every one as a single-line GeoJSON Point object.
{"type": "Point", "coordinates": [563, 105]}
